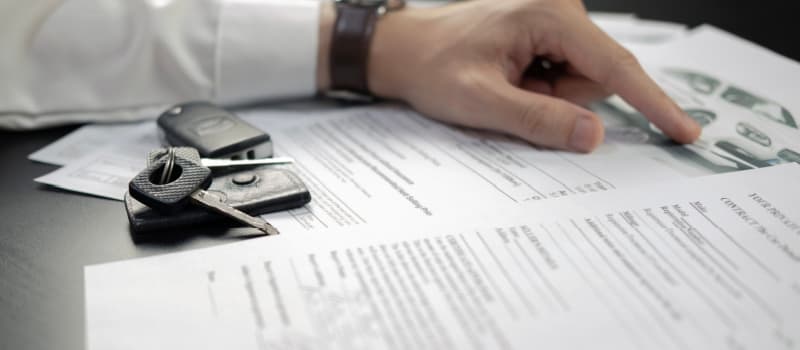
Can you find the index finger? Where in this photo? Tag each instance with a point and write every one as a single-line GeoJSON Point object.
{"type": "Point", "coordinates": [600, 58]}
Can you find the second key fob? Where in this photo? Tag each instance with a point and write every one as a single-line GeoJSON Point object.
{"type": "Point", "coordinates": [213, 131]}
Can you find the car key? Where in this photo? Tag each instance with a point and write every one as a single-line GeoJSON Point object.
{"type": "Point", "coordinates": [224, 163]}
{"type": "Point", "coordinates": [194, 156]}
{"type": "Point", "coordinates": [213, 131]}
{"type": "Point", "coordinates": [218, 163]}
{"type": "Point", "coordinates": [185, 182]}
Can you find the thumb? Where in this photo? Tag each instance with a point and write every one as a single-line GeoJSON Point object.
{"type": "Point", "coordinates": [542, 120]}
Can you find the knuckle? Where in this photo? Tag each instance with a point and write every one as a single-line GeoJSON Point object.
{"type": "Point", "coordinates": [536, 8]}
{"type": "Point", "coordinates": [537, 13]}
{"type": "Point", "coordinates": [625, 58]}
{"type": "Point", "coordinates": [579, 5]}
{"type": "Point", "coordinates": [622, 62]}
{"type": "Point", "coordinates": [466, 92]}
{"type": "Point", "coordinates": [532, 120]}
{"type": "Point", "coordinates": [470, 83]}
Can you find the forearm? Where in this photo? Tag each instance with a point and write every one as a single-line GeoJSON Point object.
{"type": "Point", "coordinates": [79, 61]}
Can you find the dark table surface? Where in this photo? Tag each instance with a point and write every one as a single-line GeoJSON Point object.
{"type": "Point", "coordinates": [48, 236]}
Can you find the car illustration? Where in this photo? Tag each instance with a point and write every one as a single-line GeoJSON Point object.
{"type": "Point", "coordinates": [745, 128]}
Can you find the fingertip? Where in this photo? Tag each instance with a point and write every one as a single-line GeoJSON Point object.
{"type": "Point", "coordinates": [693, 130]}
{"type": "Point", "coordinates": [587, 134]}
{"type": "Point", "coordinates": [686, 130]}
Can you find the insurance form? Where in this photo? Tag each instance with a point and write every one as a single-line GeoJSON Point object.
{"type": "Point", "coordinates": [368, 164]}
{"type": "Point", "coordinates": [705, 263]}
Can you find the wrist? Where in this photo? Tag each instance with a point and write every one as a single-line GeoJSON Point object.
{"type": "Point", "coordinates": [327, 16]}
{"type": "Point", "coordinates": [389, 61]}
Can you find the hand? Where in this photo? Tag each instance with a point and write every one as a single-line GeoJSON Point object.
{"type": "Point", "coordinates": [466, 64]}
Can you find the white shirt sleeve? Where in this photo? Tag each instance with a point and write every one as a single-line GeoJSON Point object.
{"type": "Point", "coordinates": [89, 60]}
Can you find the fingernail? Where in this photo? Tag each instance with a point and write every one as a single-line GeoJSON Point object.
{"type": "Point", "coordinates": [583, 135]}
{"type": "Point", "coordinates": [695, 129]}
{"type": "Point", "coordinates": [691, 127]}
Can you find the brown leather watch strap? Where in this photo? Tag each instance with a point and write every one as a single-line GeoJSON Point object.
{"type": "Point", "coordinates": [352, 35]}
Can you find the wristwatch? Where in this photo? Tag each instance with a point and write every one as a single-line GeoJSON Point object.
{"type": "Point", "coordinates": [352, 37]}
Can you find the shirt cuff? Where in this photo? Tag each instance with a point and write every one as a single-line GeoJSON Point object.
{"type": "Point", "coordinates": [266, 50]}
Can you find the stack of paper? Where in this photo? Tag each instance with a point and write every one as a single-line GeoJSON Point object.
{"type": "Point", "coordinates": [430, 236]}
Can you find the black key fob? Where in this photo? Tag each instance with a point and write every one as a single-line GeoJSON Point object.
{"type": "Point", "coordinates": [255, 192]}
{"type": "Point", "coordinates": [213, 131]}
{"type": "Point", "coordinates": [171, 196]}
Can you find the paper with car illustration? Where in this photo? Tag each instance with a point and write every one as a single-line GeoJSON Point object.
{"type": "Point", "coordinates": [745, 97]}
{"type": "Point", "coordinates": [706, 263]}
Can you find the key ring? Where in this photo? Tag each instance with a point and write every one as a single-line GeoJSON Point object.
{"type": "Point", "coordinates": [166, 174]}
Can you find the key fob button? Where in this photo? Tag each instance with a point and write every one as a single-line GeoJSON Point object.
{"type": "Point", "coordinates": [244, 179]}
{"type": "Point", "coordinates": [176, 110]}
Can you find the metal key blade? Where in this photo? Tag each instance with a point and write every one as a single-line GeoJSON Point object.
{"type": "Point", "coordinates": [220, 163]}
{"type": "Point", "coordinates": [203, 198]}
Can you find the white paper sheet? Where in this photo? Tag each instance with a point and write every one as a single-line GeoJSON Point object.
{"type": "Point", "coordinates": [114, 155]}
{"type": "Point", "coordinates": [706, 263]}
{"type": "Point", "coordinates": [598, 16]}
{"type": "Point", "coordinates": [86, 140]}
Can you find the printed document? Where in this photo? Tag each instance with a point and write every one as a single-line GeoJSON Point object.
{"type": "Point", "coordinates": [366, 165]}
{"type": "Point", "coordinates": [705, 263]}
